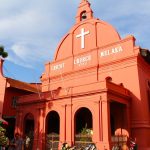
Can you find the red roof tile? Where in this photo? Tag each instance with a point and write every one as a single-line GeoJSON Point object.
{"type": "Point", "coordinates": [24, 86]}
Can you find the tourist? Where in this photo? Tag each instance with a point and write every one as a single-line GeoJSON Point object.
{"type": "Point", "coordinates": [91, 147]}
{"type": "Point", "coordinates": [16, 143]}
{"type": "Point", "coordinates": [65, 146]}
{"type": "Point", "coordinates": [124, 147]}
{"type": "Point", "coordinates": [115, 147]}
{"type": "Point", "coordinates": [133, 144]}
{"type": "Point", "coordinates": [27, 142]}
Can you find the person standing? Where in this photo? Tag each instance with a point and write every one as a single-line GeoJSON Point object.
{"type": "Point", "coordinates": [124, 147]}
{"type": "Point", "coordinates": [17, 143]}
{"type": "Point", "coordinates": [27, 143]}
{"type": "Point", "coordinates": [133, 144]}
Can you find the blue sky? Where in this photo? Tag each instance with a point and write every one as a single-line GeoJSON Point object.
{"type": "Point", "coordinates": [30, 30]}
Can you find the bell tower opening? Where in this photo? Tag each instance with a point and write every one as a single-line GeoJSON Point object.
{"type": "Point", "coordinates": [83, 15]}
{"type": "Point", "coordinates": [84, 11]}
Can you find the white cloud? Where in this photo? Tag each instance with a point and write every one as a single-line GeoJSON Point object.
{"type": "Point", "coordinates": [33, 33]}
{"type": "Point", "coordinates": [20, 50]}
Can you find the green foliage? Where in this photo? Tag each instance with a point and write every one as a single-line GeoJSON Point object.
{"type": "Point", "coordinates": [2, 52]}
{"type": "Point", "coordinates": [3, 138]}
{"type": "Point", "coordinates": [84, 130]}
{"type": "Point", "coordinates": [2, 129]}
{"type": "Point", "coordinates": [85, 134]}
{"type": "Point", "coordinates": [1, 49]}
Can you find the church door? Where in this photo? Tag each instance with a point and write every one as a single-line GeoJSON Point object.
{"type": "Point", "coordinates": [52, 130]}
{"type": "Point", "coordinates": [29, 131]}
{"type": "Point", "coordinates": [119, 122]}
{"type": "Point", "coordinates": [83, 127]}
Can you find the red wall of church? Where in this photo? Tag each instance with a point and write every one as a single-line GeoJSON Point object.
{"type": "Point", "coordinates": [77, 78]}
{"type": "Point", "coordinates": [8, 110]}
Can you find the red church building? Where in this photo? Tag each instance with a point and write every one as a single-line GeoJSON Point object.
{"type": "Point", "coordinates": [96, 90]}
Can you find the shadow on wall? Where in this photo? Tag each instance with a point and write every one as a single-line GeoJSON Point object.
{"type": "Point", "coordinates": [137, 106]}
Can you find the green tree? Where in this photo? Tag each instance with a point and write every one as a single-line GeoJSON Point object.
{"type": "Point", "coordinates": [3, 53]}
{"type": "Point", "coordinates": [3, 139]}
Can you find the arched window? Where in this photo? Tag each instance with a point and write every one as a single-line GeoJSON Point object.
{"type": "Point", "coordinates": [83, 123]}
{"type": "Point", "coordinates": [29, 124]}
{"type": "Point", "coordinates": [83, 120]}
{"type": "Point", "coordinates": [52, 130]}
{"type": "Point", "coordinates": [14, 101]}
{"type": "Point", "coordinates": [52, 123]}
{"type": "Point", "coordinates": [83, 15]}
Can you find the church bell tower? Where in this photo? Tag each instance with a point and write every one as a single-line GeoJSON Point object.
{"type": "Point", "coordinates": [84, 11]}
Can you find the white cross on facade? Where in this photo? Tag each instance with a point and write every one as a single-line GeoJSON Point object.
{"type": "Point", "coordinates": [82, 35]}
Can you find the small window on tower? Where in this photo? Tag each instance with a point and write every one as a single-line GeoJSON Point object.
{"type": "Point", "coordinates": [83, 15]}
